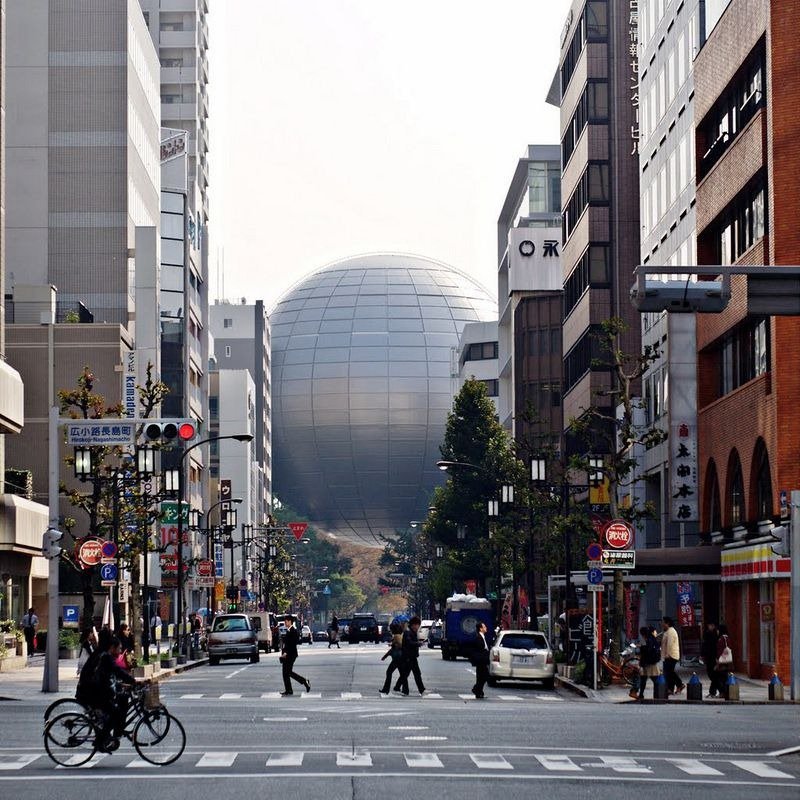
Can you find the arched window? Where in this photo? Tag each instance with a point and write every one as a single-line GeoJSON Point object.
{"type": "Point", "coordinates": [763, 481]}
{"type": "Point", "coordinates": [714, 505]}
{"type": "Point", "coordinates": [737, 507]}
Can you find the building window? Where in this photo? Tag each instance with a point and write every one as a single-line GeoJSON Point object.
{"type": "Point", "coordinates": [480, 351]}
{"type": "Point", "coordinates": [591, 270]}
{"type": "Point", "coordinates": [227, 351]}
{"type": "Point", "coordinates": [737, 494]}
{"type": "Point", "coordinates": [227, 322]}
{"type": "Point", "coordinates": [492, 387]}
{"type": "Point", "coordinates": [592, 107]}
{"type": "Point", "coordinates": [763, 483]}
{"type": "Point", "coordinates": [579, 359]}
{"type": "Point", "coordinates": [213, 407]}
{"type": "Point", "coordinates": [744, 355]}
{"type": "Point", "coordinates": [593, 189]}
{"type": "Point", "coordinates": [741, 226]}
{"type": "Point", "coordinates": [766, 603]}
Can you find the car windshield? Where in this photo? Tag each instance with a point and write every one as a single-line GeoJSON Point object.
{"type": "Point", "coordinates": [524, 641]}
{"type": "Point", "coordinates": [230, 624]}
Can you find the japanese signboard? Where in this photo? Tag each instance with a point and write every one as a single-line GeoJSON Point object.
{"type": "Point", "coordinates": [618, 559]}
{"type": "Point", "coordinates": [97, 433]}
{"type": "Point", "coordinates": [683, 472]}
{"type": "Point", "coordinates": [618, 535]}
{"type": "Point", "coordinates": [298, 529]}
{"type": "Point", "coordinates": [169, 523]}
{"type": "Point", "coordinates": [129, 384]}
{"type": "Point", "coordinates": [633, 52]}
{"type": "Point", "coordinates": [685, 604]}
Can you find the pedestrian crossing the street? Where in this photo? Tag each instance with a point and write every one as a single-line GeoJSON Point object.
{"type": "Point", "coordinates": [584, 765]}
{"type": "Point", "coordinates": [361, 696]}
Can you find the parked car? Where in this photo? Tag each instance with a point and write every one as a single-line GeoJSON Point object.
{"type": "Point", "coordinates": [363, 628]}
{"type": "Point", "coordinates": [305, 635]}
{"type": "Point", "coordinates": [344, 630]}
{"type": "Point", "coordinates": [435, 635]}
{"type": "Point", "coordinates": [232, 636]}
{"type": "Point", "coordinates": [260, 620]}
{"type": "Point", "coordinates": [320, 635]}
{"type": "Point", "coordinates": [424, 630]}
{"type": "Point", "coordinates": [521, 656]}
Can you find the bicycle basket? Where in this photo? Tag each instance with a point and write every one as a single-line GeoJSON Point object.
{"type": "Point", "coordinates": [152, 698]}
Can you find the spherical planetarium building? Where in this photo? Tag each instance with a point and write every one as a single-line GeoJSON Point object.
{"type": "Point", "coordinates": [361, 386]}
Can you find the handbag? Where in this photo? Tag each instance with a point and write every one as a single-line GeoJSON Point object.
{"type": "Point", "coordinates": [726, 657]}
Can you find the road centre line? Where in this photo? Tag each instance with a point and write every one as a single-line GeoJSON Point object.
{"type": "Point", "coordinates": [236, 672]}
{"type": "Point", "coordinates": [285, 719]}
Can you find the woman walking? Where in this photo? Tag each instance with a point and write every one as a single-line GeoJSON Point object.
{"type": "Point", "coordinates": [724, 660]}
{"type": "Point", "coordinates": [649, 656]}
{"type": "Point", "coordinates": [395, 652]}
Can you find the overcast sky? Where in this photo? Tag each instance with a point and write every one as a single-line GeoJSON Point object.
{"type": "Point", "coordinates": [348, 126]}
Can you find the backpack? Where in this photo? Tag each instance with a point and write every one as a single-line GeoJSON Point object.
{"type": "Point", "coordinates": [649, 652]}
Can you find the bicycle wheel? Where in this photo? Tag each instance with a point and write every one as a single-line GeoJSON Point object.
{"type": "Point", "coordinates": [159, 737]}
{"type": "Point", "coordinates": [630, 671]}
{"type": "Point", "coordinates": [69, 739]}
{"type": "Point", "coordinates": [62, 706]}
{"type": "Point", "coordinates": [605, 675]}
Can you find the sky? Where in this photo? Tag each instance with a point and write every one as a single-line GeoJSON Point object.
{"type": "Point", "coordinates": [341, 127]}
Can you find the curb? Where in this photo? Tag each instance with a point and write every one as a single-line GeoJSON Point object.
{"type": "Point", "coordinates": [167, 673]}
{"type": "Point", "coordinates": [582, 691]}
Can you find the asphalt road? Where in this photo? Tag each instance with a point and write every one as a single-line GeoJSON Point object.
{"type": "Point", "coordinates": [344, 740]}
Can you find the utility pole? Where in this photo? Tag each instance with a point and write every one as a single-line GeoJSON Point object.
{"type": "Point", "coordinates": [794, 555]}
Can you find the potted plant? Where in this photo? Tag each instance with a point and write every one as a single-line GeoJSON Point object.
{"type": "Point", "coordinates": [68, 644]}
{"type": "Point", "coordinates": [20, 637]}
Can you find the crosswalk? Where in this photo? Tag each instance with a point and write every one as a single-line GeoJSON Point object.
{"type": "Point", "coordinates": [356, 696]}
{"type": "Point", "coordinates": [391, 760]}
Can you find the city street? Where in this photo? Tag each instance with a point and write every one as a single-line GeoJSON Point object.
{"type": "Point", "coordinates": [344, 740]}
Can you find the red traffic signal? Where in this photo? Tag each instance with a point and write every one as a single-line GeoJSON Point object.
{"type": "Point", "coordinates": [187, 430]}
{"type": "Point", "coordinates": [168, 430]}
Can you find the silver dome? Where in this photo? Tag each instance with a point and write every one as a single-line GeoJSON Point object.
{"type": "Point", "coordinates": [362, 380]}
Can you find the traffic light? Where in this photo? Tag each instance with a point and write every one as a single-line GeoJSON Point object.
{"type": "Point", "coordinates": [166, 431]}
{"type": "Point", "coordinates": [50, 543]}
{"type": "Point", "coordinates": [782, 547]}
{"type": "Point", "coordinates": [642, 589]}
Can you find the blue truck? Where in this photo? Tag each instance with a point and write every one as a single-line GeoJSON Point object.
{"type": "Point", "coordinates": [462, 614]}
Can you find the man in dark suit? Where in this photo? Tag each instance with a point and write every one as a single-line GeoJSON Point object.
{"type": "Point", "coordinates": [408, 658]}
{"type": "Point", "coordinates": [288, 657]}
{"type": "Point", "coordinates": [480, 658]}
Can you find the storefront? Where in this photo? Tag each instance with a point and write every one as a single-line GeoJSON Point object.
{"type": "Point", "coordinates": [756, 608]}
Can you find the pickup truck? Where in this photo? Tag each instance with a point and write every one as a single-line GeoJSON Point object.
{"type": "Point", "coordinates": [463, 612]}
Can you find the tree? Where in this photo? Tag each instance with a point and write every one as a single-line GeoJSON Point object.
{"type": "Point", "coordinates": [616, 429]}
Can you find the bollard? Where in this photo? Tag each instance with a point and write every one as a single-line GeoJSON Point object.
{"type": "Point", "coordinates": [694, 690]}
{"type": "Point", "coordinates": [732, 688]}
{"type": "Point", "coordinates": [660, 690]}
{"type": "Point", "coordinates": [775, 688]}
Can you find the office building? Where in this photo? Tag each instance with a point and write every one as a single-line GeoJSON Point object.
{"type": "Point", "coordinates": [747, 207]}
{"type": "Point", "coordinates": [242, 341]}
{"type": "Point", "coordinates": [476, 356]}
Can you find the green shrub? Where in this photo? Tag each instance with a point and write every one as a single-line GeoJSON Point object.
{"type": "Point", "coordinates": [68, 640]}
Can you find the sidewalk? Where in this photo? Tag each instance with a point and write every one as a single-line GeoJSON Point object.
{"type": "Point", "coordinates": [26, 684]}
{"type": "Point", "coordinates": [751, 691]}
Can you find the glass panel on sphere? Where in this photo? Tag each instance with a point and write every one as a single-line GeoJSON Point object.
{"type": "Point", "coordinates": [363, 369]}
{"type": "Point", "coordinates": [338, 370]}
{"type": "Point", "coordinates": [368, 416]}
{"type": "Point", "coordinates": [408, 369]}
{"type": "Point", "coordinates": [370, 385]}
{"type": "Point", "coordinates": [369, 325]}
{"type": "Point", "coordinates": [405, 325]}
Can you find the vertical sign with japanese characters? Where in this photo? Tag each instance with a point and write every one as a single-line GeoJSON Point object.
{"type": "Point", "coordinates": [129, 384]}
{"type": "Point", "coordinates": [685, 604]}
{"type": "Point", "coordinates": [681, 392]}
{"type": "Point", "coordinates": [633, 51]}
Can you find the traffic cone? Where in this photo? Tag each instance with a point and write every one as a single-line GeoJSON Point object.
{"type": "Point", "coordinates": [775, 688]}
{"type": "Point", "coordinates": [694, 690]}
{"type": "Point", "coordinates": [732, 688]}
{"type": "Point", "coordinates": [660, 690]}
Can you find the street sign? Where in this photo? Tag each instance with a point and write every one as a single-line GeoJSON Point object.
{"type": "Point", "coordinates": [594, 551]}
{"type": "Point", "coordinates": [326, 590]}
{"type": "Point", "coordinates": [90, 552]}
{"type": "Point", "coordinates": [122, 592]}
{"type": "Point", "coordinates": [108, 574]}
{"type": "Point", "coordinates": [108, 549]}
{"type": "Point", "coordinates": [594, 575]}
{"type": "Point", "coordinates": [71, 615]}
{"type": "Point", "coordinates": [619, 535]}
{"type": "Point", "coordinates": [96, 433]}
{"type": "Point", "coordinates": [595, 587]}
{"type": "Point", "coordinates": [619, 559]}
{"type": "Point", "coordinates": [298, 529]}
{"type": "Point", "coordinates": [205, 569]}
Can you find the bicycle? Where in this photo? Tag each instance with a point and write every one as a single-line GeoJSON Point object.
{"type": "Point", "coordinates": [71, 737]}
{"type": "Point", "coordinates": [627, 671]}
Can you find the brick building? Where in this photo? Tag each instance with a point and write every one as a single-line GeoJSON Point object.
{"type": "Point", "coordinates": [748, 159]}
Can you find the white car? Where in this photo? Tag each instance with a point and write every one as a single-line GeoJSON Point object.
{"type": "Point", "coordinates": [521, 656]}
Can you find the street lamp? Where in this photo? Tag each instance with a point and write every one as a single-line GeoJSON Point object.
{"type": "Point", "coordinates": [239, 437]}
{"type": "Point", "coordinates": [145, 461]}
{"type": "Point", "coordinates": [83, 462]}
{"type": "Point", "coordinates": [172, 482]}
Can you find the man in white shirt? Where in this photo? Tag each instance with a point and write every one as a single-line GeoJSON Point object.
{"type": "Point", "coordinates": [29, 623]}
{"type": "Point", "coordinates": [671, 655]}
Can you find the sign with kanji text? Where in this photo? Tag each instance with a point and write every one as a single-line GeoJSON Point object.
{"type": "Point", "coordinates": [618, 559]}
{"type": "Point", "coordinates": [89, 552]}
{"type": "Point", "coordinates": [685, 592]}
{"type": "Point", "coordinates": [619, 535]}
{"type": "Point", "coordinates": [169, 523]}
{"type": "Point", "coordinates": [97, 433]}
{"type": "Point", "coordinates": [298, 529]}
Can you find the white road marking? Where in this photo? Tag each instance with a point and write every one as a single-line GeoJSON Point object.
{"type": "Point", "coordinates": [558, 763]}
{"type": "Point", "coordinates": [386, 714]}
{"type": "Point", "coordinates": [191, 696]}
{"type": "Point", "coordinates": [285, 760]}
{"type": "Point", "coordinates": [550, 697]}
{"type": "Point", "coordinates": [18, 762]}
{"type": "Point", "coordinates": [285, 719]}
{"type": "Point", "coordinates": [312, 695]}
{"type": "Point", "coordinates": [489, 761]}
{"type": "Point", "coordinates": [761, 769]}
{"type": "Point", "coordinates": [230, 696]}
{"type": "Point", "coordinates": [620, 764]}
{"type": "Point", "coordinates": [425, 738]}
{"type": "Point", "coordinates": [785, 752]}
{"type": "Point", "coordinates": [351, 695]}
{"type": "Point", "coordinates": [693, 766]}
{"type": "Point", "coordinates": [270, 695]}
{"type": "Point", "coordinates": [357, 759]}
{"type": "Point", "coordinates": [217, 760]}
{"type": "Point", "coordinates": [408, 728]}
{"type": "Point", "coordinates": [236, 672]}
{"type": "Point", "coordinates": [468, 697]}
{"type": "Point", "coordinates": [508, 697]}
{"type": "Point", "coordinates": [423, 760]}
{"type": "Point", "coordinates": [92, 762]}
{"type": "Point", "coordinates": [139, 763]}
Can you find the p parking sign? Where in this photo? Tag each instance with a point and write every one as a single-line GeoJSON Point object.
{"type": "Point", "coordinates": [71, 615]}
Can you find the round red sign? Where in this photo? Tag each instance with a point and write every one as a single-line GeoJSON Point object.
{"type": "Point", "coordinates": [90, 552]}
{"type": "Point", "coordinates": [205, 568]}
{"type": "Point", "coordinates": [619, 535]}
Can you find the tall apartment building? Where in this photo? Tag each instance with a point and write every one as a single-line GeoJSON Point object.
{"type": "Point", "coordinates": [82, 151]}
{"type": "Point", "coordinates": [477, 358]}
{"type": "Point", "coordinates": [179, 29]}
{"type": "Point", "coordinates": [670, 34]}
{"type": "Point", "coordinates": [599, 192]}
{"type": "Point", "coordinates": [242, 341]}
{"type": "Point", "coordinates": [528, 284]}
{"type": "Point", "coordinates": [746, 95]}
{"type": "Point", "coordinates": [19, 564]}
